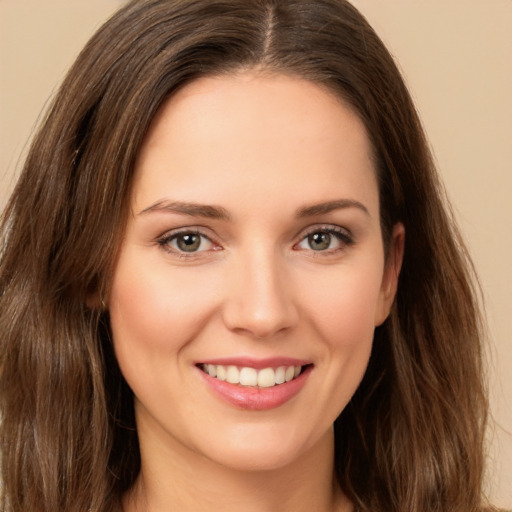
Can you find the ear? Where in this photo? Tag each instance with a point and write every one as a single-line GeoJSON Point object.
{"type": "Point", "coordinates": [94, 301]}
{"type": "Point", "coordinates": [392, 267]}
{"type": "Point", "coordinates": [94, 298]}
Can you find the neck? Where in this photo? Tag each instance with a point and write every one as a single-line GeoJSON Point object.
{"type": "Point", "coordinates": [176, 479]}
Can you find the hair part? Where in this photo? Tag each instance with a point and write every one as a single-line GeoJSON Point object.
{"type": "Point", "coordinates": [411, 437]}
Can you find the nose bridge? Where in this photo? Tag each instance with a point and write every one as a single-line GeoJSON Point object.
{"type": "Point", "coordinates": [259, 298]}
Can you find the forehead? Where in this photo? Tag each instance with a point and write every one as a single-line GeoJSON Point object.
{"type": "Point", "coordinates": [259, 133]}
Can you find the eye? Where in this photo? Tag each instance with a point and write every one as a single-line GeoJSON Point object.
{"type": "Point", "coordinates": [186, 242]}
{"type": "Point", "coordinates": [325, 240]}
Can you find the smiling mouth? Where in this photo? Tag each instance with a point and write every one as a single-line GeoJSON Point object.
{"type": "Point", "coordinates": [251, 377]}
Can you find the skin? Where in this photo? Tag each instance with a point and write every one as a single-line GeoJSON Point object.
{"type": "Point", "coordinates": [261, 148]}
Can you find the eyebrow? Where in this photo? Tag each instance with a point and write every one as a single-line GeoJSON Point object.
{"type": "Point", "coordinates": [220, 213]}
{"type": "Point", "coordinates": [329, 206]}
{"type": "Point", "coordinates": [193, 209]}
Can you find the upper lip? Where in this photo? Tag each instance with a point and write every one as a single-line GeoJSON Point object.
{"type": "Point", "coordinates": [258, 364]}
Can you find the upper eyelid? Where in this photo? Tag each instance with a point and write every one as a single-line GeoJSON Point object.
{"type": "Point", "coordinates": [170, 235]}
{"type": "Point", "coordinates": [323, 227]}
{"type": "Point", "coordinates": [206, 232]}
{"type": "Point", "coordinates": [203, 230]}
{"type": "Point", "coordinates": [196, 230]}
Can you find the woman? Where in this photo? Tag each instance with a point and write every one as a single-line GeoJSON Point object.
{"type": "Point", "coordinates": [229, 278]}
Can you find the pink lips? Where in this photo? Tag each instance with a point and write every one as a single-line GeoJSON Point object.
{"type": "Point", "coordinates": [255, 398]}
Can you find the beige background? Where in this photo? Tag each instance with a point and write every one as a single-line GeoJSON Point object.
{"type": "Point", "coordinates": [456, 56]}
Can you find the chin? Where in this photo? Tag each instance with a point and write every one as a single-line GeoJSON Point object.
{"type": "Point", "coordinates": [262, 452]}
{"type": "Point", "coordinates": [251, 459]}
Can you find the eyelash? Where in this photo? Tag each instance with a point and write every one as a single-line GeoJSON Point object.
{"type": "Point", "coordinates": [343, 236]}
{"type": "Point", "coordinates": [165, 241]}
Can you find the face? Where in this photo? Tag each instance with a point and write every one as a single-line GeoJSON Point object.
{"type": "Point", "coordinates": [252, 272]}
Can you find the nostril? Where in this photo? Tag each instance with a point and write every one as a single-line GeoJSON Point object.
{"type": "Point", "coordinates": [259, 304]}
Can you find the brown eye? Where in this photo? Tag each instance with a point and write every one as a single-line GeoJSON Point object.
{"type": "Point", "coordinates": [319, 241]}
{"type": "Point", "coordinates": [188, 242]}
{"type": "Point", "coordinates": [329, 239]}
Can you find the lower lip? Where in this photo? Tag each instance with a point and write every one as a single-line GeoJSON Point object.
{"type": "Point", "coordinates": [253, 398]}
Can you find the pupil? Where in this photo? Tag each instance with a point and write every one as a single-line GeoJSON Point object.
{"type": "Point", "coordinates": [189, 243]}
{"type": "Point", "coordinates": [319, 241]}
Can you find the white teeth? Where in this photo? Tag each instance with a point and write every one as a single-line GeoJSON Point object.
{"type": "Point", "coordinates": [246, 376]}
{"type": "Point", "coordinates": [221, 373]}
{"type": "Point", "coordinates": [232, 375]}
{"type": "Point", "coordinates": [266, 378]}
{"type": "Point", "coordinates": [280, 375]}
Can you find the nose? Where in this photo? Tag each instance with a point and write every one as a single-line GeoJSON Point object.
{"type": "Point", "coordinates": [259, 296]}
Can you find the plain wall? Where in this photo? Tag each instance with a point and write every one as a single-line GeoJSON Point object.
{"type": "Point", "coordinates": [456, 56]}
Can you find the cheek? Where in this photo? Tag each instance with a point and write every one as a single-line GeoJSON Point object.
{"type": "Point", "coordinates": [139, 312]}
{"type": "Point", "coordinates": [152, 305]}
{"type": "Point", "coordinates": [154, 313]}
{"type": "Point", "coordinates": [341, 312]}
{"type": "Point", "coordinates": [343, 306]}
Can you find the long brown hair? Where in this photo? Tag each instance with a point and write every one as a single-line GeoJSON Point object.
{"type": "Point", "coordinates": [411, 439]}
